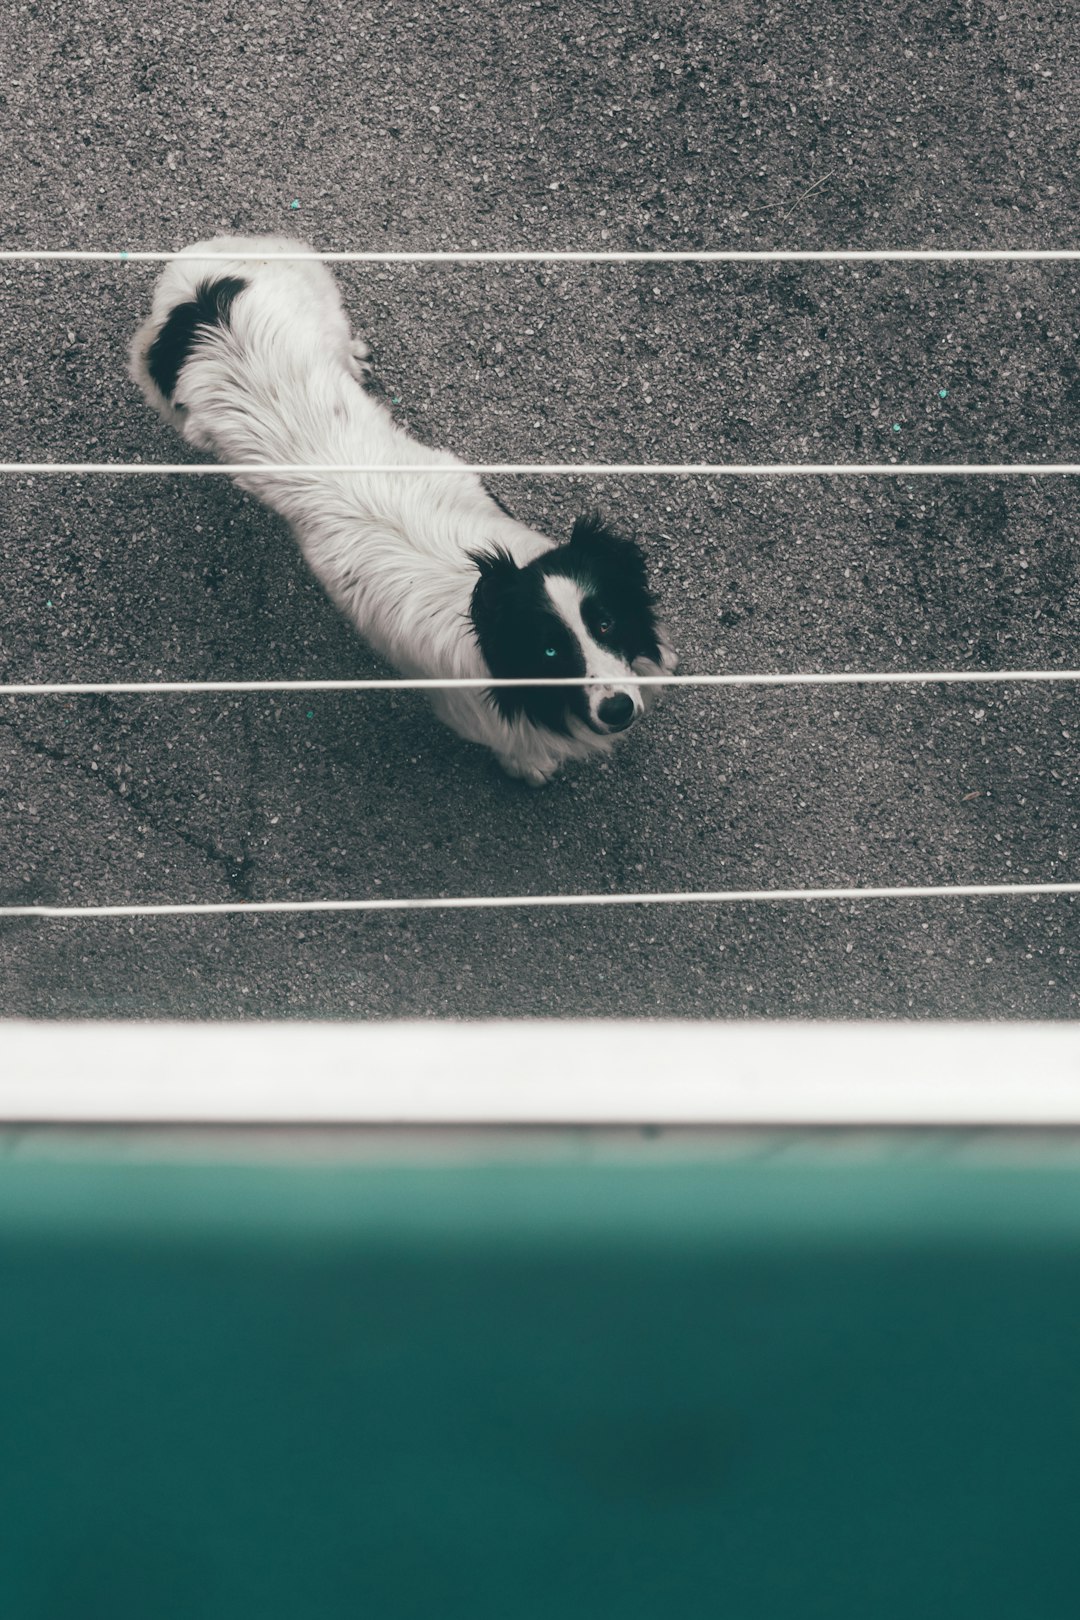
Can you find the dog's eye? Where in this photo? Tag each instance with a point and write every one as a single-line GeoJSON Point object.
{"type": "Point", "coordinates": [605, 627]}
{"type": "Point", "coordinates": [551, 652]}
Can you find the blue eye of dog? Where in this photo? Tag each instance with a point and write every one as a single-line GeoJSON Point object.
{"type": "Point", "coordinates": [550, 652]}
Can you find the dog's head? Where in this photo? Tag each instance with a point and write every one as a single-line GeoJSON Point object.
{"type": "Point", "coordinates": [581, 609]}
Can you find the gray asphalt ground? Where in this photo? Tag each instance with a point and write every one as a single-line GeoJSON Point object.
{"type": "Point", "coordinates": [499, 124]}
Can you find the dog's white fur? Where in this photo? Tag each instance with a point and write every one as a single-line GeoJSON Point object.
{"type": "Point", "coordinates": [282, 381]}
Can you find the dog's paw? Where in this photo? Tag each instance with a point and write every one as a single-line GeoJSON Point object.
{"type": "Point", "coordinates": [359, 361]}
{"type": "Point", "coordinates": [533, 775]}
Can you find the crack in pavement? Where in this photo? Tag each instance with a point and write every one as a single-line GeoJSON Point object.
{"type": "Point", "coordinates": [237, 869]}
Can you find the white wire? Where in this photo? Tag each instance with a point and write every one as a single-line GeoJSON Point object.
{"type": "Point", "coordinates": [571, 256]}
{"type": "Point", "coordinates": [484, 682]}
{"type": "Point", "coordinates": [609, 469]}
{"type": "Point", "coordinates": [505, 901]}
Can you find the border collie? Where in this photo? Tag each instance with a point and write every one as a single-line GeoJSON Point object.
{"type": "Point", "coordinates": [255, 362]}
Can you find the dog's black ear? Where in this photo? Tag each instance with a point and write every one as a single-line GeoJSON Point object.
{"type": "Point", "coordinates": [495, 611]}
{"type": "Point", "coordinates": [607, 550]}
{"type": "Point", "coordinates": [588, 527]}
{"type": "Point", "coordinates": [499, 575]}
{"type": "Point", "coordinates": [497, 570]}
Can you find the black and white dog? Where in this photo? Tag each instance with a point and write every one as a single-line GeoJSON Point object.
{"type": "Point", "coordinates": [255, 361]}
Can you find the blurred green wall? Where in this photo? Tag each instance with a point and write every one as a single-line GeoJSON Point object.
{"type": "Point", "coordinates": [539, 1390]}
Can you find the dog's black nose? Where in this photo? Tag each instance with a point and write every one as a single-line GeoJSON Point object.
{"type": "Point", "coordinates": [616, 712]}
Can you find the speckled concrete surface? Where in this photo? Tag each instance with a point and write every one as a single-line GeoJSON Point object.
{"type": "Point", "coordinates": [510, 125]}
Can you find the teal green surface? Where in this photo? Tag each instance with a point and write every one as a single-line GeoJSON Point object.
{"type": "Point", "coordinates": [522, 1390]}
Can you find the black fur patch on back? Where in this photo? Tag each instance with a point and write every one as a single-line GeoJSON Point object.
{"type": "Point", "coordinates": [210, 307]}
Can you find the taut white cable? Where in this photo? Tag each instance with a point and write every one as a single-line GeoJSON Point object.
{"type": "Point", "coordinates": [505, 901]}
{"type": "Point", "coordinates": [573, 256]}
{"type": "Point", "coordinates": [561, 469]}
{"type": "Point", "coordinates": [929, 677]}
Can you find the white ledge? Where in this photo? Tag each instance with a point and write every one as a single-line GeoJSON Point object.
{"type": "Point", "coordinates": [541, 1072]}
